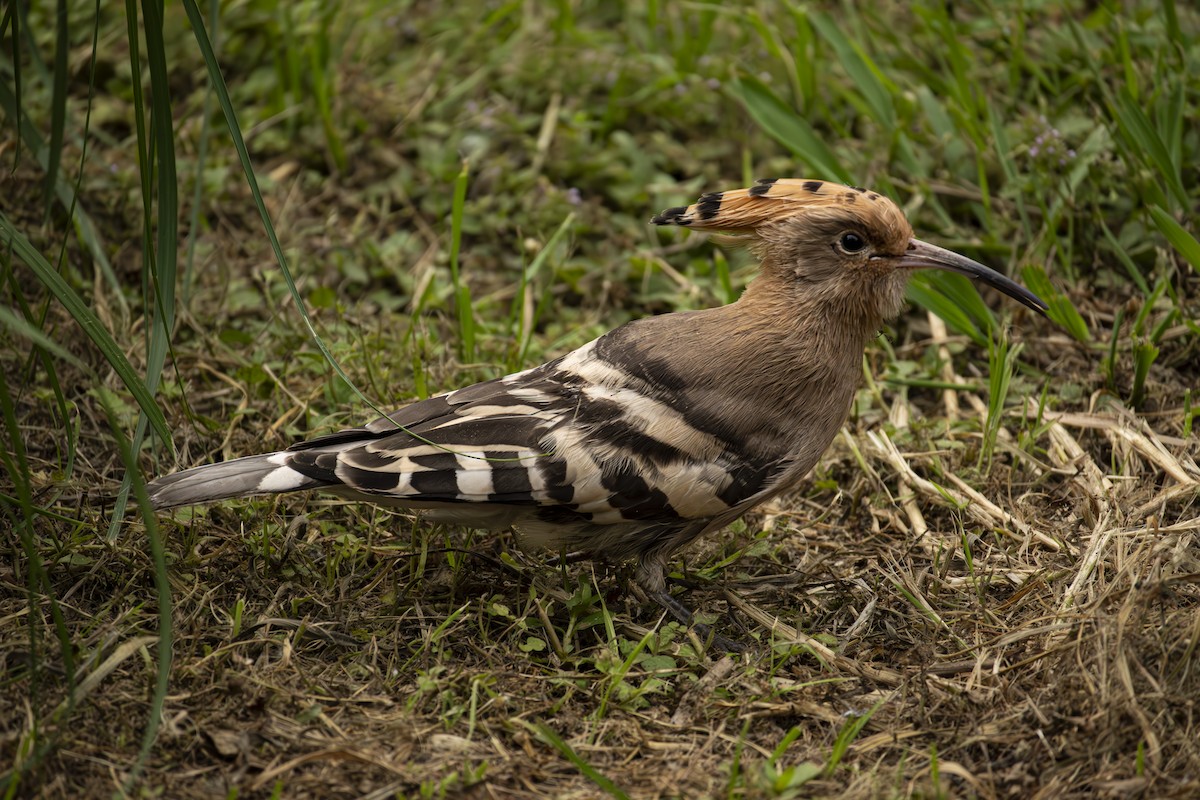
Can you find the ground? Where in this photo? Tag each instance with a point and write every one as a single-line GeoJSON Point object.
{"type": "Point", "coordinates": [987, 588]}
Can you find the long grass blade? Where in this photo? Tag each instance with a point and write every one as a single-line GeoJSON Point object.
{"type": "Point", "coordinates": [924, 292]}
{"type": "Point", "coordinates": [58, 101]}
{"type": "Point", "coordinates": [1061, 309]}
{"type": "Point", "coordinates": [1178, 236]}
{"type": "Point", "coordinates": [22, 327]}
{"type": "Point", "coordinates": [189, 261]}
{"type": "Point", "coordinates": [462, 292]}
{"type": "Point", "coordinates": [550, 737]}
{"type": "Point", "coordinates": [861, 69]}
{"type": "Point", "coordinates": [159, 263]}
{"type": "Point", "coordinates": [1147, 144]}
{"type": "Point", "coordinates": [88, 321]}
{"type": "Point", "coordinates": [528, 276]}
{"type": "Point", "coordinates": [162, 586]}
{"type": "Point", "coordinates": [788, 128]}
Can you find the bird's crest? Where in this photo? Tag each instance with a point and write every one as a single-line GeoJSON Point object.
{"type": "Point", "coordinates": [767, 201]}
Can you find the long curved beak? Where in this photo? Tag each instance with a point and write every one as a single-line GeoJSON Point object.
{"type": "Point", "coordinates": [922, 255]}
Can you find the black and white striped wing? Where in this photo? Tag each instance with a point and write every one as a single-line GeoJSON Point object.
{"type": "Point", "coordinates": [473, 445]}
{"type": "Point", "coordinates": [576, 440]}
{"type": "Point", "coordinates": [586, 447]}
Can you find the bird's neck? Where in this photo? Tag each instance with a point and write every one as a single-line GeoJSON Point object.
{"type": "Point", "coordinates": [813, 313]}
{"type": "Point", "coordinates": [777, 370]}
{"type": "Point", "coordinates": [789, 368]}
{"type": "Point", "coordinates": [793, 349]}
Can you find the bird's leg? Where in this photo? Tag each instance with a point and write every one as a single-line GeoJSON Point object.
{"type": "Point", "coordinates": [565, 559]}
{"type": "Point", "coordinates": [707, 633]}
{"type": "Point", "coordinates": [650, 578]}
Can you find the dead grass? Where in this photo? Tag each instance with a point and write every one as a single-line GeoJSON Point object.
{"type": "Point", "coordinates": [1024, 626]}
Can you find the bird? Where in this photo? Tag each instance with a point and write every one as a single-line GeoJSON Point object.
{"type": "Point", "coordinates": [660, 431]}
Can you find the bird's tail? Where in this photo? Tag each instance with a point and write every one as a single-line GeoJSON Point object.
{"type": "Point", "coordinates": [263, 474]}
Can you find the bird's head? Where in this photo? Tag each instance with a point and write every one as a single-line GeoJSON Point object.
{"type": "Point", "coordinates": [850, 246]}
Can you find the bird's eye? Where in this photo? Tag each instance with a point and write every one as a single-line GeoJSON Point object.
{"type": "Point", "coordinates": [852, 243]}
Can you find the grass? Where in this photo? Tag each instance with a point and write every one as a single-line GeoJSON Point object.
{"type": "Point", "coordinates": [986, 588]}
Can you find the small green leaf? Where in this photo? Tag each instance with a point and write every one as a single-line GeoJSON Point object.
{"type": "Point", "coordinates": [657, 663]}
{"type": "Point", "coordinates": [322, 297]}
{"type": "Point", "coordinates": [798, 775]}
{"type": "Point", "coordinates": [532, 644]}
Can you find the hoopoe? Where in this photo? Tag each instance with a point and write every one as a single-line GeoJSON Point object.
{"type": "Point", "coordinates": [659, 431]}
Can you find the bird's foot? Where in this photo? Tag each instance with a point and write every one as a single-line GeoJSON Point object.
{"type": "Point", "coordinates": [684, 615]}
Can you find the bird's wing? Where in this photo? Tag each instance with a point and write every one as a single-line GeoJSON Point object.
{"type": "Point", "coordinates": [579, 439]}
{"type": "Point", "coordinates": [473, 445]}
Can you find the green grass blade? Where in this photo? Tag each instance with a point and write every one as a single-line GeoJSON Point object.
{"type": "Point", "coordinates": [14, 108]}
{"type": "Point", "coordinates": [139, 119]}
{"type": "Point", "coordinates": [788, 128]}
{"type": "Point", "coordinates": [88, 321]}
{"type": "Point", "coordinates": [58, 101]}
{"type": "Point", "coordinates": [67, 420]}
{"type": "Point", "coordinates": [462, 292]}
{"type": "Point", "coordinates": [846, 736]}
{"type": "Point", "coordinates": [1144, 356]}
{"type": "Point", "coordinates": [84, 227]}
{"type": "Point", "coordinates": [322, 70]}
{"type": "Point", "coordinates": [862, 71]}
{"type": "Point", "coordinates": [1001, 362]}
{"type": "Point", "coordinates": [956, 300]}
{"type": "Point", "coordinates": [924, 294]}
{"type": "Point", "coordinates": [22, 327]}
{"type": "Point", "coordinates": [963, 294]}
{"type": "Point", "coordinates": [162, 586]}
{"type": "Point", "coordinates": [1061, 309]}
{"type": "Point", "coordinates": [1135, 274]}
{"type": "Point", "coordinates": [1177, 235]}
{"type": "Point", "coordinates": [1146, 142]}
{"type": "Point", "coordinates": [547, 735]}
{"type": "Point", "coordinates": [804, 72]}
{"type": "Point", "coordinates": [160, 260]}
{"type": "Point", "coordinates": [163, 276]}
{"type": "Point", "coordinates": [189, 261]}
{"type": "Point", "coordinates": [528, 276]}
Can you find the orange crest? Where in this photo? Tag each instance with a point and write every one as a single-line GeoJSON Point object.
{"type": "Point", "coordinates": [771, 200]}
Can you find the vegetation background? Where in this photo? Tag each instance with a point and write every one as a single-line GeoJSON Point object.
{"type": "Point", "coordinates": [227, 226]}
